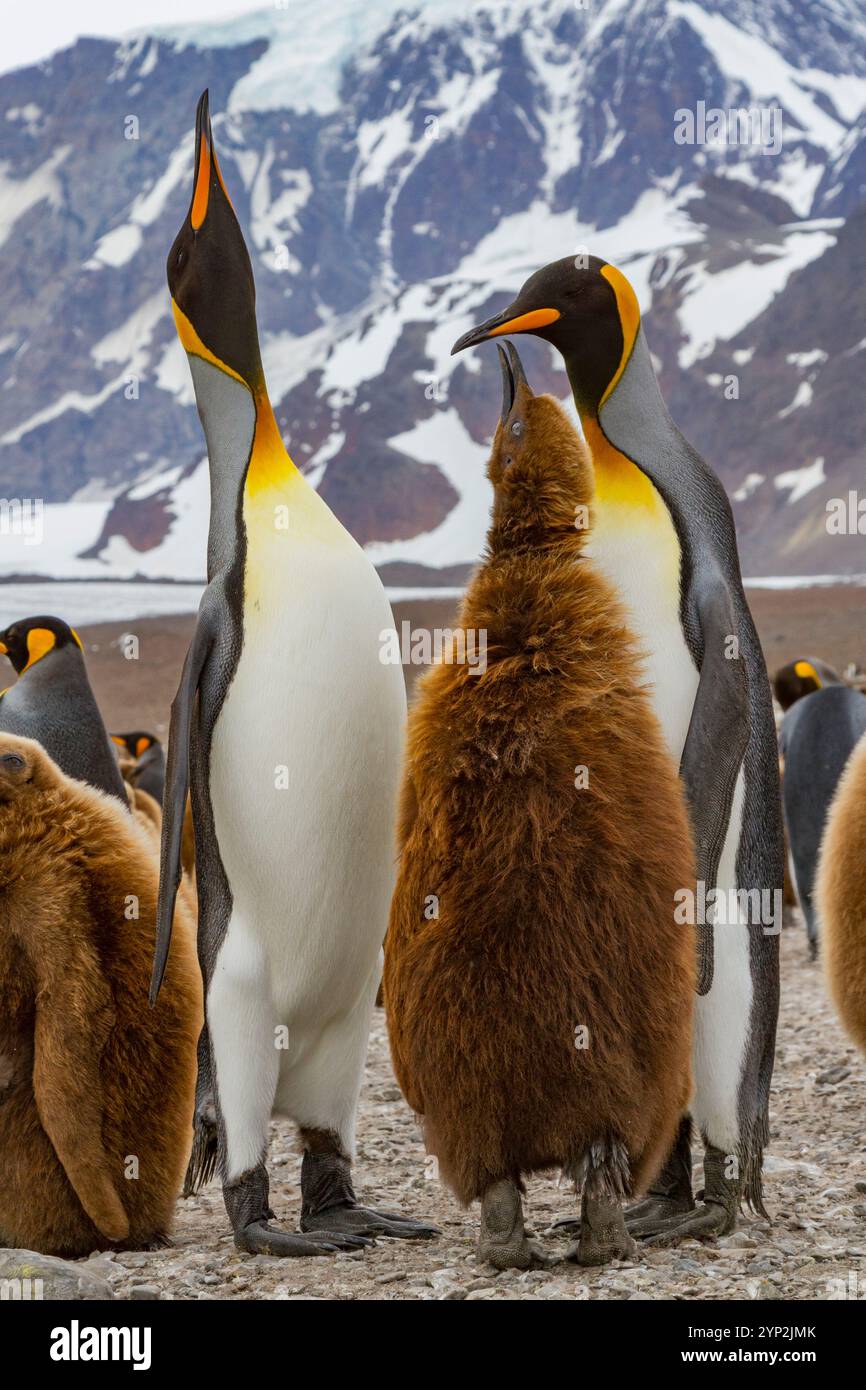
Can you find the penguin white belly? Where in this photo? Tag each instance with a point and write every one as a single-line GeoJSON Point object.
{"type": "Point", "coordinates": [304, 771]}
{"type": "Point", "coordinates": [636, 554]}
{"type": "Point", "coordinates": [723, 1015]}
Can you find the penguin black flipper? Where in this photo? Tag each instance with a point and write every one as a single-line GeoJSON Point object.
{"type": "Point", "coordinates": [715, 747]}
{"type": "Point", "coordinates": [177, 781]}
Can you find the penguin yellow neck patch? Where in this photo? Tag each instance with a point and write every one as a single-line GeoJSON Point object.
{"type": "Point", "coordinates": [629, 317]}
{"type": "Point", "coordinates": [270, 465]}
{"type": "Point", "coordinates": [40, 641]}
{"type": "Point", "coordinates": [618, 481]}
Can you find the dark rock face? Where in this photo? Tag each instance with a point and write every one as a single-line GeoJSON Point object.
{"type": "Point", "coordinates": [464, 148]}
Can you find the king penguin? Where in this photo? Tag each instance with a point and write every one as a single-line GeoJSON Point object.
{"type": "Point", "coordinates": [664, 535]}
{"type": "Point", "coordinates": [802, 677]}
{"type": "Point", "coordinates": [53, 703]}
{"type": "Point", "coordinates": [290, 728]}
{"type": "Point", "coordinates": [149, 758]}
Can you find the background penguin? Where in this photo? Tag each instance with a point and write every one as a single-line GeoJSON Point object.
{"type": "Point", "coordinates": [801, 677]}
{"type": "Point", "coordinates": [52, 702]}
{"type": "Point", "coordinates": [816, 739]}
{"type": "Point", "coordinates": [664, 534]}
{"type": "Point", "coordinates": [536, 876]}
{"type": "Point", "coordinates": [840, 895]}
{"type": "Point", "coordinates": [146, 752]}
{"type": "Point", "coordinates": [294, 744]}
{"type": "Point", "coordinates": [96, 1088]}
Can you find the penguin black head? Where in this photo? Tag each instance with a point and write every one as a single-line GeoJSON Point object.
{"type": "Point", "coordinates": [583, 306]}
{"type": "Point", "coordinates": [27, 641]}
{"type": "Point", "coordinates": [210, 275]}
{"type": "Point", "coordinates": [136, 743]}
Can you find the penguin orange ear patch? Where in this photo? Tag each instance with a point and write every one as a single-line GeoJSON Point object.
{"type": "Point", "coordinates": [806, 671]}
{"type": "Point", "coordinates": [629, 318]}
{"type": "Point", "coordinates": [141, 746]}
{"type": "Point", "coordinates": [39, 641]}
{"type": "Point", "coordinates": [4, 650]}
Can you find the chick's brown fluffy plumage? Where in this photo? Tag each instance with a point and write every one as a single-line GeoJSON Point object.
{"type": "Point", "coordinates": [539, 992]}
{"type": "Point", "coordinates": [96, 1088]}
{"type": "Point", "coordinates": [841, 897]}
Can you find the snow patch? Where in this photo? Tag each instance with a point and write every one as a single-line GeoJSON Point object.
{"type": "Point", "coordinates": [18, 196]}
{"type": "Point", "coordinates": [443, 440]}
{"type": "Point", "coordinates": [801, 481]}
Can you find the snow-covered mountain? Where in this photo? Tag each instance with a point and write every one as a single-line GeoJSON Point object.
{"type": "Point", "coordinates": [399, 169]}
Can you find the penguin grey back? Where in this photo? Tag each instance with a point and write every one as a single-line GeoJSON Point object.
{"type": "Point", "coordinates": [817, 737]}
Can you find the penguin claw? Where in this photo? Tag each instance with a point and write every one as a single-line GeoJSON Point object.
{"type": "Point", "coordinates": [260, 1238]}
{"type": "Point", "coordinates": [362, 1221]}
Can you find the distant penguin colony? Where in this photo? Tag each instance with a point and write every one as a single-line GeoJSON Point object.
{"type": "Point", "coordinates": [292, 728]}
{"type": "Point", "coordinates": [663, 535]}
{"type": "Point", "coordinates": [96, 1089]}
{"type": "Point", "coordinates": [52, 702]}
{"type": "Point", "coordinates": [841, 897]}
{"type": "Point", "coordinates": [541, 1016]}
{"type": "Point", "coordinates": [816, 739]}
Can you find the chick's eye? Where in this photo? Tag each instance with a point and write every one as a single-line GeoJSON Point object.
{"type": "Point", "coordinates": [517, 428]}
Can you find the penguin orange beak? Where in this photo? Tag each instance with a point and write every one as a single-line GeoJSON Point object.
{"type": "Point", "coordinates": [207, 170]}
{"type": "Point", "coordinates": [511, 320]}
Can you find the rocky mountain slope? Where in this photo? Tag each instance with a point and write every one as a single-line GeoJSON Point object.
{"type": "Point", "coordinates": [399, 168]}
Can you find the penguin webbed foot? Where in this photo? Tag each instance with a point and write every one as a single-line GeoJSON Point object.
{"type": "Point", "coordinates": [708, 1219]}
{"type": "Point", "coordinates": [714, 1215]}
{"type": "Point", "coordinates": [261, 1238]}
{"type": "Point", "coordinates": [670, 1196]}
{"type": "Point", "coordinates": [328, 1197]}
{"type": "Point", "coordinates": [655, 1212]}
{"type": "Point", "coordinates": [364, 1221]}
{"type": "Point", "coordinates": [604, 1179]}
{"type": "Point", "coordinates": [249, 1211]}
{"type": "Point", "coordinates": [503, 1242]}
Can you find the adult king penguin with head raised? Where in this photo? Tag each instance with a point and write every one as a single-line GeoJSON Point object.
{"type": "Point", "coordinates": [664, 534]}
{"type": "Point", "coordinates": [292, 727]}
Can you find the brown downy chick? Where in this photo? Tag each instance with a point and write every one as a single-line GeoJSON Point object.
{"type": "Point", "coordinates": [539, 990]}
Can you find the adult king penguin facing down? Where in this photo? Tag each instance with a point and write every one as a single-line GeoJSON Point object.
{"type": "Point", "coordinates": [664, 534]}
{"type": "Point", "coordinates": [53, 703]}
{"type": "Point", "coordinates": [293, 746]}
